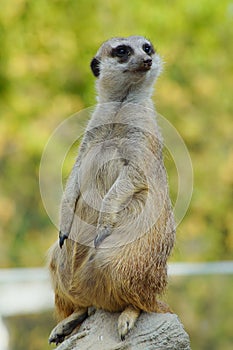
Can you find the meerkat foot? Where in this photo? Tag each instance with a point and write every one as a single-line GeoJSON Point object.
{"type": "Point", "coordinates": [127, 321]}
{"type": "Point", "coordinates": [62, 238]}
{"type": "Point", "coordinates": [102, 233]}
{"type": "Point", "coordinates": [66, 326]}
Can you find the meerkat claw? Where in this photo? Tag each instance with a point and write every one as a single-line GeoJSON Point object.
{"type": "Point", "coordinates": [103, 233]}
{"type": "Point", "coordinates": [57, 340]}
{"type": "Point", "coordinates": [127, 321]}
{"type": "Point", "coordinates": [62, 238]}
{"type": "Point", "coordinates": [123, 330]}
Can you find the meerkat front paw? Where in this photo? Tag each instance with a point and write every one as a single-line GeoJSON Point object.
{"type": "Point", "coordinates": [126, 321]}
{"type": "Point", "coordinates": [102, 233]}
{"type": "Point", "coordinates": [59, 333]}
{"type": "Point", "coordinates": [62, 238]}
{"type": "Point", "coordinates": [66, 326]}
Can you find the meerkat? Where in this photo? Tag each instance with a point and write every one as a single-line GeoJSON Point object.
{"type": "Point", "coordinates": [116, 222]}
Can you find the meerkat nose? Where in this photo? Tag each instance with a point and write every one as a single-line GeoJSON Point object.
{"type": "Point", "coordinates": [147, 62]}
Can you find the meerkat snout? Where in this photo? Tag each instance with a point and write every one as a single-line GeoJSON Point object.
{"type": "Point", "coordinates": [144, 65]}
{"type": "Point", "coordinates": [147, 63]}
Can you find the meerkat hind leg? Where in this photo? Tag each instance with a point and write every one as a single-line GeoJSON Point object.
{"type": "Point", "coordinates": [66, 326]}
{"type": "Point", "coordinates": [126, 320]}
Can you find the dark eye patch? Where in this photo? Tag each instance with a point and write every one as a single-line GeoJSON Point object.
{"type": "Point", "coordinates": [95, 66]}
{"type": "Point", "coordinates": [148, 48]}
{"type": "Point", "coordinates": [123, 52]}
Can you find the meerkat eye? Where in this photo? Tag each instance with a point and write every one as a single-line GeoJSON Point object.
{"type": "Point", "coordinates": [148, 49]}
{"type": "Point", "coordinates": [121, 51]}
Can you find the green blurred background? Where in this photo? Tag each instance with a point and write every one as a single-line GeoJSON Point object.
{"type": "Point", "coordinates": [45, 51]}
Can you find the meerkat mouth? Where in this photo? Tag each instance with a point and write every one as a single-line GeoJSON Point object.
{"type": "Point", "coordinates": [142, 69]}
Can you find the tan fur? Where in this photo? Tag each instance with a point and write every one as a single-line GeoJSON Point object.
{"type": "Point", "coordinates": [116, 208]}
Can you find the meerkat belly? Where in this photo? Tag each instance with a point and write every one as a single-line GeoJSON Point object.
{"type": "Point", "coordinates": [114, 278]}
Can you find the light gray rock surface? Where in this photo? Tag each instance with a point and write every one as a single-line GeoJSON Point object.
{"type": "Point", "coordinates": [152, 331]}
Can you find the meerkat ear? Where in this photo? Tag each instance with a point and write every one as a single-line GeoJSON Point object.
{"type": "Point", "coordinates": [95, 66]}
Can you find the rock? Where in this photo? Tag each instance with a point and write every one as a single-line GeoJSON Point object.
{"type": "Point", "coordinates": [152, 331]}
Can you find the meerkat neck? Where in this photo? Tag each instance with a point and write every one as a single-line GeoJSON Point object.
{"type": "Point", "coordinates": [136, 93]}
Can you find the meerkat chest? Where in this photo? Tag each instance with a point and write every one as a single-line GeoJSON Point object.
{"type": "Point", "coordinates": [115, 137]}
{"type": "Point", "coordinates": [102, 162]}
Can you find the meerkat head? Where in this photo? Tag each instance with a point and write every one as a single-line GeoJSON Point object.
{"type": "Point", "coordinates": [126, 68]}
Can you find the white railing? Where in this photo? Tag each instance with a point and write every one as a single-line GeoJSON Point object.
{"type": "Point", "coordinates": [26, 290]}
{"type": "Point", "coordinates": [211, 268]}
